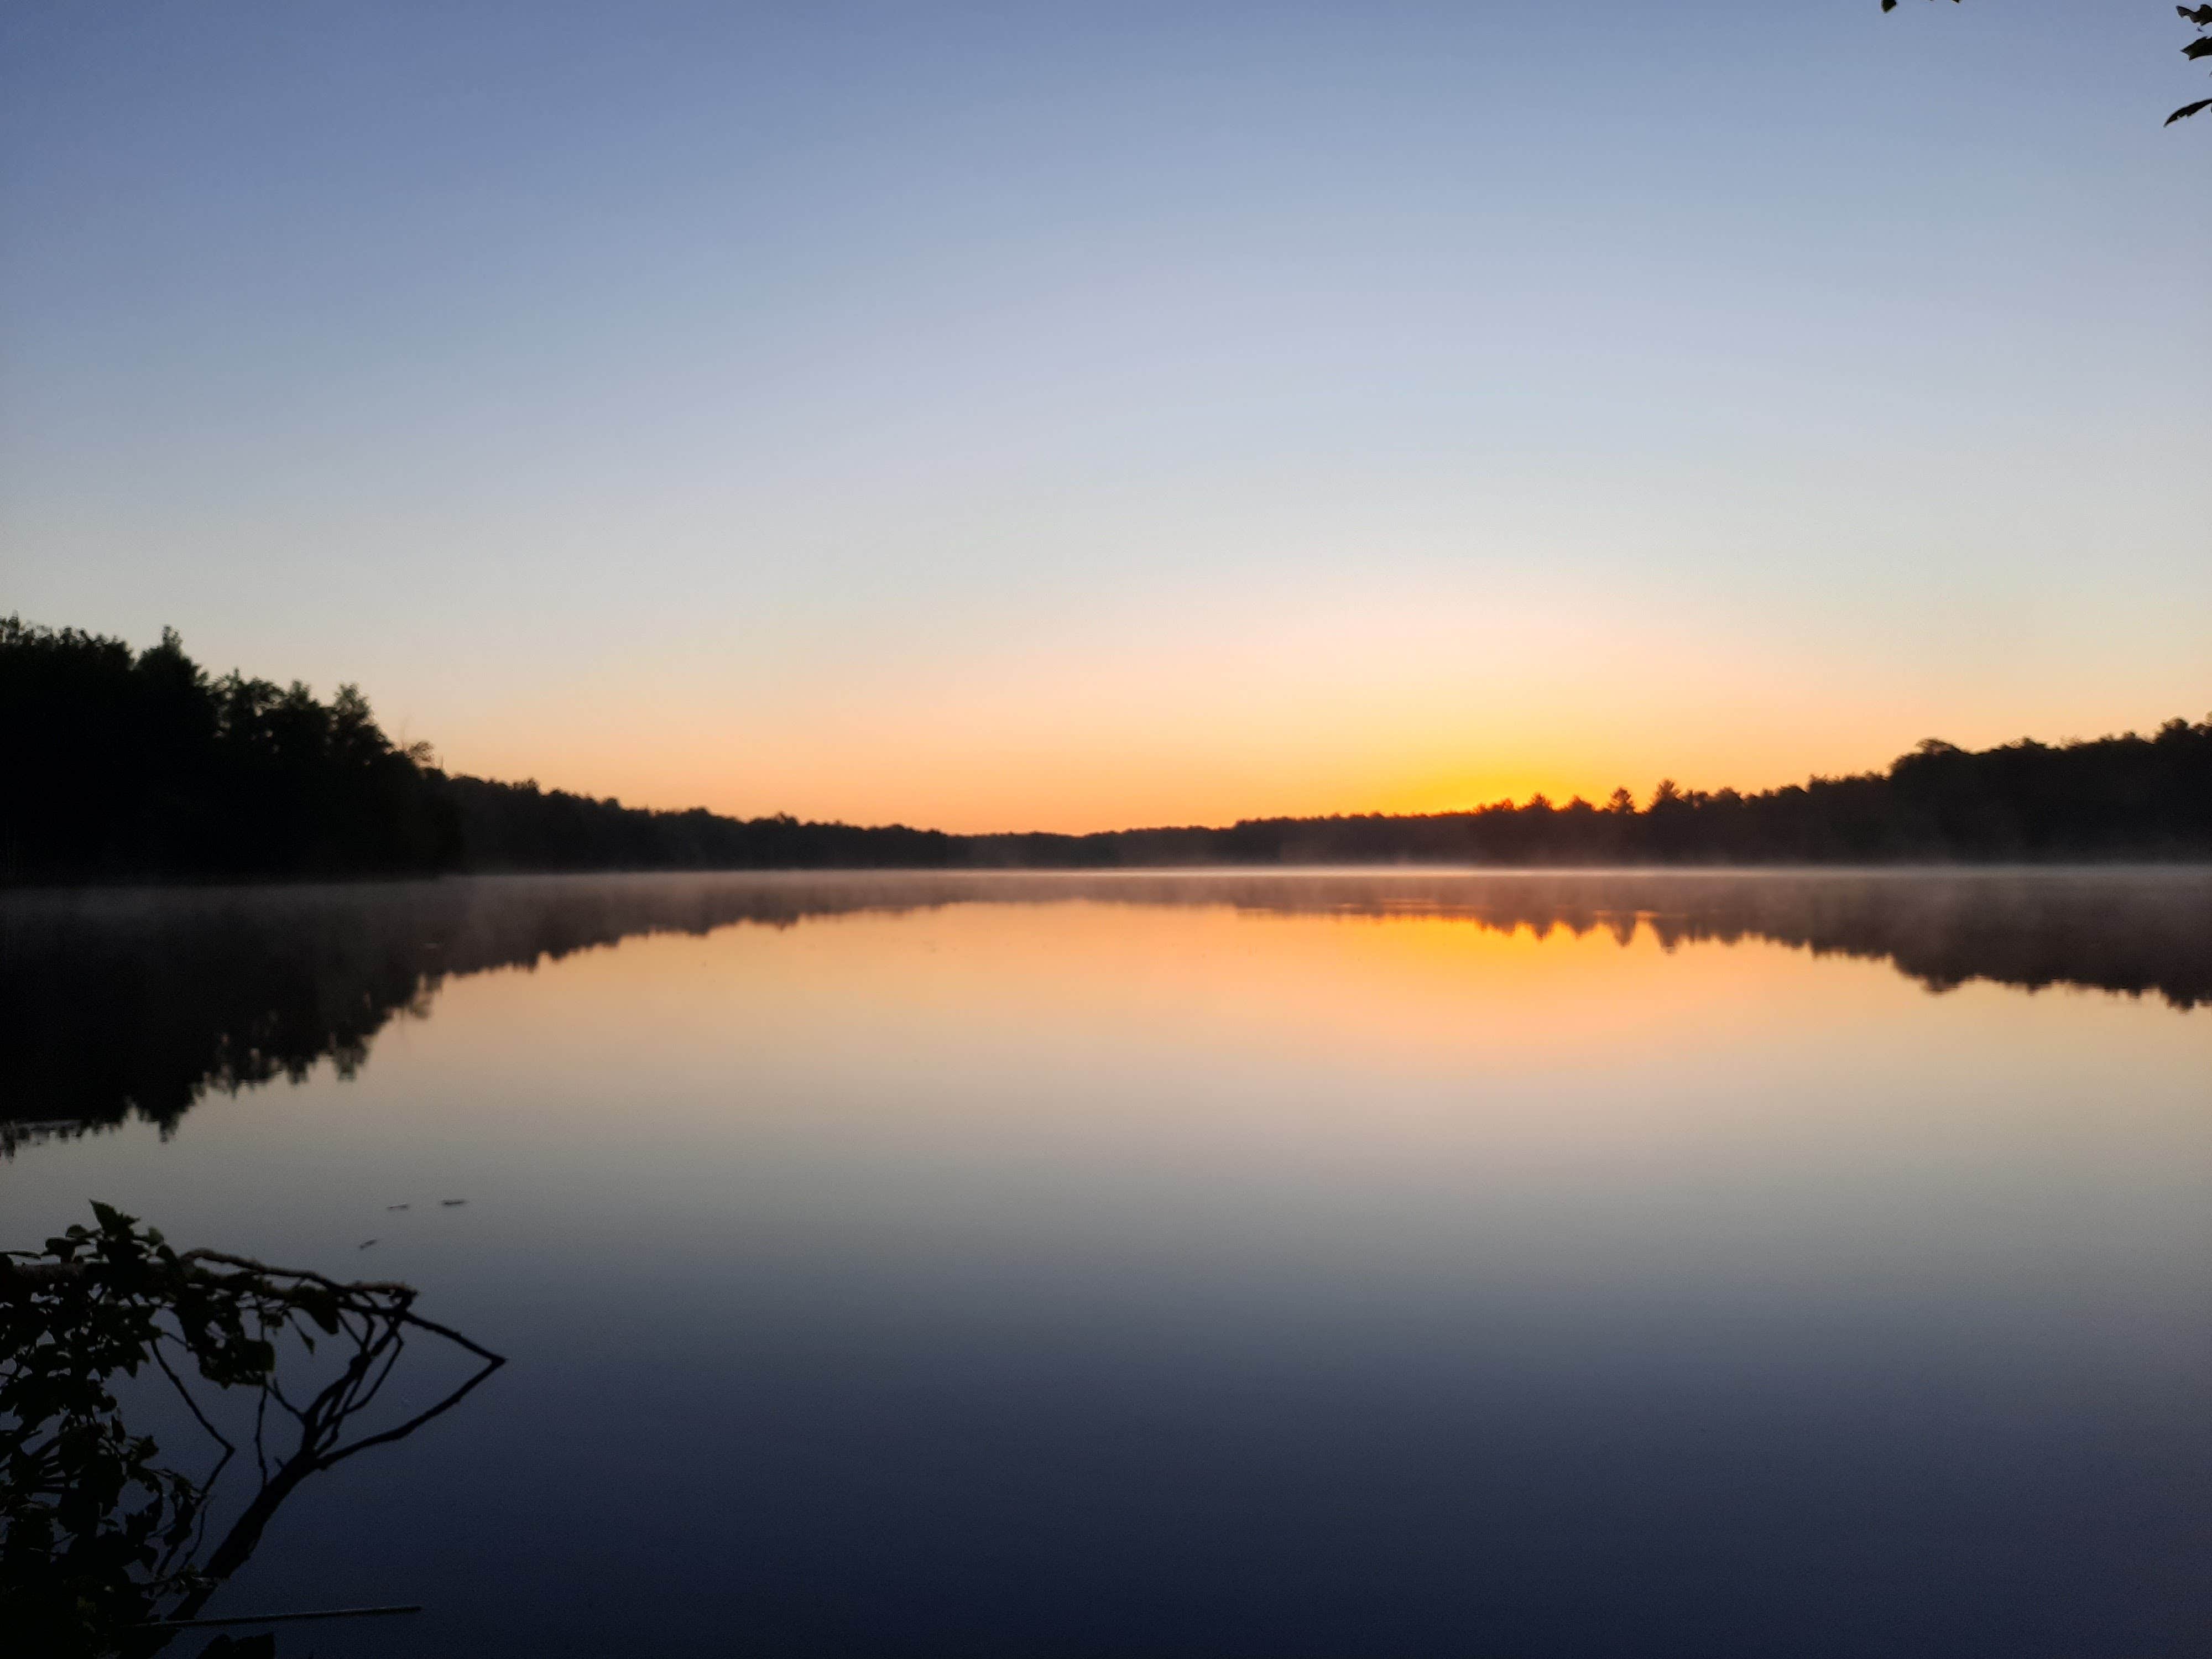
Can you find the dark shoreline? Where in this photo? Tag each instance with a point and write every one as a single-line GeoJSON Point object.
{"type": "Point", "coordinates": [1900, 869]}
{"type": "Point", "coordinates": [140, 767]}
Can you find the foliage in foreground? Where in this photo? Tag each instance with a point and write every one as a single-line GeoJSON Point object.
{"type": "Point", "coordinates": [2201, 47]}
{"type": "Point", "coordinates": [101, 1531]}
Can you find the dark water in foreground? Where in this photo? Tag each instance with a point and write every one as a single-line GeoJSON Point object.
{"type": "Point", "coordinates": [1199, 1264]}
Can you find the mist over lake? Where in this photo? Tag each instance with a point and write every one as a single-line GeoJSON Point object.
{"type": "Point", "coordinates": [1281, 1262]}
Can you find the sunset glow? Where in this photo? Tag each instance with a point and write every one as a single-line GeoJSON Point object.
{"type": "Point", "coordinates": [1224, 414]}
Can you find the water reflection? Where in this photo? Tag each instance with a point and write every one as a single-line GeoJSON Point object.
{"type": "Point", "coordinates": [1239, 1264]}
{"type": "Point", "coordinates": [116, 1004]}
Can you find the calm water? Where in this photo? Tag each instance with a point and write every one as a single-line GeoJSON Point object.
{"type": "Point", "coordinates": [1227, 1265]}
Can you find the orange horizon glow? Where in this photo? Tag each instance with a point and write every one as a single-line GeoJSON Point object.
{"type": "Point", "coordinates": [1077, 441]}
{"type": "Point", "coordinates": [904, 778]}
{"type": "Point", "coordinates": [1228, 709]}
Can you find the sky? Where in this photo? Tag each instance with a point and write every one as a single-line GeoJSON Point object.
{"type": "Point", "coordinates": [1057, 416]}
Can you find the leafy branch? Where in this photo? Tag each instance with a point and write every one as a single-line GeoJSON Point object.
{"type": "Point", "coordinates": [2201, 47]}
{"type": "Point", "coordinates": [99, 1537]}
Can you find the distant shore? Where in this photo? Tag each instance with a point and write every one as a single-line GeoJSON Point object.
{"type": "Point", "coordinates": [139, 767]}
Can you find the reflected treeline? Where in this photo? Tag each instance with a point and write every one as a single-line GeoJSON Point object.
{"type": "Point", "coordinates": [130, 766]}
{"type": "Point", "coordinates": [115, 1005]}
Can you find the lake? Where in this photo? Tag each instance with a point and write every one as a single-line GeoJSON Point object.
{"type": "Point", "coordinates": [1322, 1263]}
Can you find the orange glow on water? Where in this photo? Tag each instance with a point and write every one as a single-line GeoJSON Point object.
{"type": "Point", "coordinates": [1151, 1026]}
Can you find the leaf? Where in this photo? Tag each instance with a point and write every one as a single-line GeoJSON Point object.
{"type": "Point", "coordinates": [2188, 110]}
{"type": "Point", "coordinates": [2198, 48]}
{"type": "Point", "coordinates": [322, 1307]}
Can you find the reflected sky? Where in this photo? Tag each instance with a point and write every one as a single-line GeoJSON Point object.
{"type": "Point", "coordinates": [1043, 1272]}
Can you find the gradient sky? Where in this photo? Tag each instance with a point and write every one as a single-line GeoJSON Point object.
{"type": "Point", "coordinates": [1070, 416]}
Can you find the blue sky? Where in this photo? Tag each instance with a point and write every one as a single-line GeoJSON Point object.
{"type": "Point", "coordinates": [998, 415]}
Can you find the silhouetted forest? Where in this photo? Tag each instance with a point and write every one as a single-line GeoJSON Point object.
{"type": "Point", "coordinates": [116, 1004]}
{"type": "Point", "coordinates": [127, 766]}
{"type": "Point", "coordinates": [123, 765]}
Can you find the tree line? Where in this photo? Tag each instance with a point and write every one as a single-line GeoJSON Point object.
{"type": "Point", "coordinates": [141, 766]}
{"type": "Point", "coordinates": [136, 765]}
